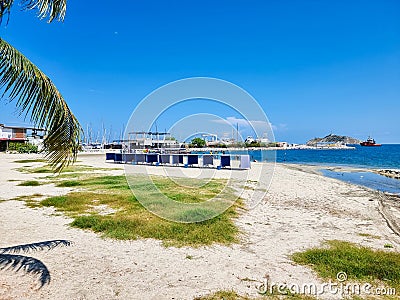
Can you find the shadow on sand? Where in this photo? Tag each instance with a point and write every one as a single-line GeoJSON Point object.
{"type": "Point", "coordinates": [30, 265]}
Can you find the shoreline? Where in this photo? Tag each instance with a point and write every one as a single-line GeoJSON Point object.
{"type": "Point", "coordinates": [319, 169]}
{"type": "Point", "coordinates": [348, 167]}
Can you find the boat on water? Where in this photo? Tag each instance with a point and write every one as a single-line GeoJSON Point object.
{"type": "Point", "coordinates": [370, 142]}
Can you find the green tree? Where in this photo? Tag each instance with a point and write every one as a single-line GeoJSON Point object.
{"type": "Point", "coordinates": [198, 143]}
{"type": "Point", "coordinates": [253, 144]}
{"type": "Point", "coordinates": [34, 93]}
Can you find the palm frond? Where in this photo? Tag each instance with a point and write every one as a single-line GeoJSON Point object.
{"type": "Point", "coordinates": [5, 7]}
{"type": "Point", "coordinates": [36, 95]}
{"type": "Point", "coordinates": [27, 264]}
{"type": "Point", "coordinates": [35, 246]}
{"type": "Point", "coordinates": [54, 9]}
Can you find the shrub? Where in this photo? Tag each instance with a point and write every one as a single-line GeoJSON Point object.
{"type": "Point", "coordinates": [22, 147]}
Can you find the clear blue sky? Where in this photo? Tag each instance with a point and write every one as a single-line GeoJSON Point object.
{"type": "Point", "coordinates": [315, 67]}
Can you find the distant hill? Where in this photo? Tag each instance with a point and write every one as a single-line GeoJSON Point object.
{"type": "Point", "coordinates": [332, 138]}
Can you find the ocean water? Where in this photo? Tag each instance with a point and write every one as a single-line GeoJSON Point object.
{"type": "Point", "coordinates": [384, 157]}
{"type": "Point", "coordinates": [367, 179]}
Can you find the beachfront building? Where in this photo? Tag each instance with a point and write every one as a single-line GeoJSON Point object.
{"type": "Point", "coordinates": [20, 134]}
{"type": "Point", "coordinates": [282, 144]}
{"type": "Point", "coordinates": [261, 141]}
{"type": "Point", "coordinates": [151, 140]}
{"type": "Point", "coordinates": [211, 140]}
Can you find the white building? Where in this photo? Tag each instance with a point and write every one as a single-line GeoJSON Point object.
{"type": "Point", "coordinates": [20, 134]}
{"type": "Point", "coordinates": [151, 140]}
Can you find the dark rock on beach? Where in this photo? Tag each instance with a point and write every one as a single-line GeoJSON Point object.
{"type": "Point", "coordinates": [389, 173]}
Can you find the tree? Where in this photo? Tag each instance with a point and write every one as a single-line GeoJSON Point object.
{"type": "Point", "coordinates": [171, 138]}
{"type": "Point", "coordinates": [35, 94]}
{"type": "Point", "coordinates": [253, 144]}
{"type": "Point", "coordinates": [198, 143]}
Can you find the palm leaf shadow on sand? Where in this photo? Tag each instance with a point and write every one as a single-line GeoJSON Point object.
{"type": "Point", "coordinates": [29, 264]}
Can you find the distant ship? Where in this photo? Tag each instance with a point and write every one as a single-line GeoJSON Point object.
{"type": "Point", "coordinates": [370, 142]}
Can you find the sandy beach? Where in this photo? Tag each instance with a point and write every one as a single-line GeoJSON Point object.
{"type": "Point", "coordinates": [301, 209]}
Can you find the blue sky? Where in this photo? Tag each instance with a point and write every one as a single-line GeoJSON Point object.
{"type": "Point", "coordinates": [315, 67]}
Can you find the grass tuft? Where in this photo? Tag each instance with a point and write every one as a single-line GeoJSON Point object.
{"type": "Point", "coordinates": [195, 215]}
{"type": "Point", "coordinates": [370, 236]}
{"type": "Point", "coordinates": [359, 263]}
{"type": "Point", "coordinates": [48, 169]}
{"type": "Point", "coordinates": [25, 161]}
{"type": "Point", "coordinates": [226, 295]}
{"type": "Point", "coordinates": [30, 200]}
{"type": "Point", "coordinates": [232, 295]}
{"type": "Point", "coordinates": [30, 183]}
{"type": "Point", "coordinates": [68, 183]}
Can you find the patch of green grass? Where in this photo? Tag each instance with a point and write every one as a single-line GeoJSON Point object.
{"type": "Point", "coordinates": [69, 183]}
{"type": "Point", "coordinates": [48, 169]}
{"type": "Point", "coordinates": [145, 225]}
{"type": "Point", "coordinates": [130, 220]}
{"type": "Point", "coordinates": [370, 235]}
{"type": "Point", "coordinates": [30, 183]}
{"type": "Point", "coordinates": [248, 279]}
{"type": "Point", "coordinates": [226, 295]}
{"type": "Point", "coordinates": [30, 200]}
{"type": "Point", "coordinates": [70, 203]}
{"type": "Point", "coordinates": [70, 169]}
{"type": "Point", "coordinates": [25, 161]}
{"type": "Point", "coordinates": [187, 191]}
{"type": "Point", "coordinates": [359, 263]}
{"type": "Point", "coordinates": [55, 178]}
{"type": "Point", "coordinates": [232, 295]}
{"type": "Point", "coordinates": [27, 197]}
{"type": "Point", "coordinates": [106, 183]}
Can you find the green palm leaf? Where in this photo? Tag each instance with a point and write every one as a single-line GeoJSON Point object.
{"type": "Point", "coordinates": [35, 94]}
{"type": "Point", "coordinates": [54, 9]}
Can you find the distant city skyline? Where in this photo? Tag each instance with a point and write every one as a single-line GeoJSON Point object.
{"type": "Point", "coordinates": [314, 67]}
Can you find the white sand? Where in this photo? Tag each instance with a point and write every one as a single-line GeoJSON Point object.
{"type": "Point", "coordinates": [300, 210]}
